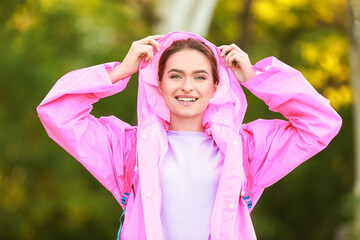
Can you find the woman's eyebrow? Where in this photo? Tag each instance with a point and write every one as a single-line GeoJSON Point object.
{"type": "Point", "coordinates": [201, 71]}
{"type": "Point", "coordinates": [194, 72]}
{"type": "Point", "coordinates": [176, 70]}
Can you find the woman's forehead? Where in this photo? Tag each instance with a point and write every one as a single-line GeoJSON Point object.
{"type": "Point", "coordinates": [188, 59]}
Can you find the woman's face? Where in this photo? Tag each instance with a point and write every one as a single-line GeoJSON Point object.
{"type": "Point", "coordinates": [187, 85]}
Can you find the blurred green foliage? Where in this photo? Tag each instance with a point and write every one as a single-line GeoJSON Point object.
{"type": "Point", "coordinates": [46, 194]}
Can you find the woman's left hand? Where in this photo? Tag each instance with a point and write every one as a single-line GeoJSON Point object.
{"type": "Point", "coordinates": [238, 61]}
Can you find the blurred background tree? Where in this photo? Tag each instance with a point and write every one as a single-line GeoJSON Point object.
{"type": "Point", "coordinates": [46, 194]}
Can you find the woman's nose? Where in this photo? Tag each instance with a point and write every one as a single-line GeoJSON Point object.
{"type": "Point", "coordinates": [187, 85]}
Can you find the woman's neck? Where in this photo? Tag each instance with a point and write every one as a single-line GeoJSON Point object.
{"type": "Point", "coordinates": [186, 124]}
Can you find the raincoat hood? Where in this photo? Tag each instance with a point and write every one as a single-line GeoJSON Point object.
{"type": "Point", "coordinates": [227, 107]}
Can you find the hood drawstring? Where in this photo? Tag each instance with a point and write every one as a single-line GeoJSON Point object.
{"type": "Point", "coordinates": [248, 201]}
{"type": "Point", "coordinates": [245, 195]}
{"type": "Point", "coordinates": [130, 169]}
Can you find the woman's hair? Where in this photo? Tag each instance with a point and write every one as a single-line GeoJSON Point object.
{"type": "Point", "coordinates": [189, 43]}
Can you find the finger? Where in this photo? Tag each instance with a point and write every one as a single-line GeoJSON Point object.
{"type": "Point", "coordinates": [230, 57]}
{"type": "Point", "coordinates": [239, 58]}
{"type": "Point", "coordinates": [144, 51]}
{"type": "Point", "coordinates": [241, 54]}
{"type": "Point", "coordinates": [152, 40]}
{"type": "Point", "coordinates": [236, 47]}
{"type": "Point", "coordinates": [157, 37]}
{"type": "Point", "coordinates": [149, 53]}
{"type": "Point", "coordinates": [225, 49]}
{"type": "Point", "coordinates": [228, 48]}
{"type": "Point", "coordinates": [155, 43]}
{"type": "Point", "coordinates": [221, 47]}
{"type": "Point", "coordinates": [141, 50]}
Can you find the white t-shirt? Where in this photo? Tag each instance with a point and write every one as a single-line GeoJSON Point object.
{"type": "Point", "coordinates": [189, 180]}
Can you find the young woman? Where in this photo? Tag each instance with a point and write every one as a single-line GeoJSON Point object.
{"type": "Point", "coordinates": [199, 169]}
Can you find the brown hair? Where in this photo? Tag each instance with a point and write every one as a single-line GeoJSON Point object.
{"type": "Point", "coordinates": [189, 43]}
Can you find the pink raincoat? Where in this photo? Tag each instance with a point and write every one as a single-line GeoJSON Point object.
{"type": "Point", "coordinates": [257, 154]}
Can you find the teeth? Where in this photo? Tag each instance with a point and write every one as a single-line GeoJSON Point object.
{"type": "Point", "coordinates": [186, 99]}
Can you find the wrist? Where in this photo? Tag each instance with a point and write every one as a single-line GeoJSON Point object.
{"type": "Point", "coordinates": [118, 73]}
{"type": "Point", "coordinates": [249, 76]}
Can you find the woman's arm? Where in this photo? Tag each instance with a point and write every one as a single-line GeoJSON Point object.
{"type": "Point", "coordinates": [101, 145]}
{"type": "Point", "coordinates": [98, 144]}
{"type": "Point", "coordinates": [275, 147]}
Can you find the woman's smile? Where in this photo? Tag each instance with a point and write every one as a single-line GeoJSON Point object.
{"type": "Point", "coordinates": [186, 100]}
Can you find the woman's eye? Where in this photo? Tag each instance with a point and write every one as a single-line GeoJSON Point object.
{"type": "Point", "coordinates": [200, 77]}
{"type": "Point", "coordinates": [175, 76]}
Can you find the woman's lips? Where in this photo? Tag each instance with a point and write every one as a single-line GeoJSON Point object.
{"type": "Point", "coordinates": [186, 100]}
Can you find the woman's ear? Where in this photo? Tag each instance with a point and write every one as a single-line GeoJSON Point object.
{"type": "Point", "coordinates": [215, 88]}
{"type": "Point", "coordinates": [159, 85]}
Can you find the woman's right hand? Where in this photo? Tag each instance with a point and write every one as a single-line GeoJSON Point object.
{"type": "Point", "coordinates": [140, 49]}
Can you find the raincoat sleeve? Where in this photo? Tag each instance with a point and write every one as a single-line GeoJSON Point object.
{"type": "Point", "coordinates": [276, 147]}
{"type": "Point", "coordinates": [101, 145]}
